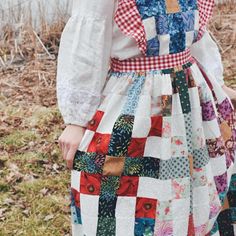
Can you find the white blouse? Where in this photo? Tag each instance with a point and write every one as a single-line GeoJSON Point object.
{"type": "Point", "coordinates": [88, 41]}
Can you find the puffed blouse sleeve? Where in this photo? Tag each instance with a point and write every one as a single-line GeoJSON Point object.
{"type": "Point", "coordinates": [83, 59]}
{"type": "Point", "coordinates": [206, 52]}
{"type": "Point", "coordinates": [205, 49]}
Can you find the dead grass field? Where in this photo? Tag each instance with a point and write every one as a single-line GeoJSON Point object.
{"type": "Point", "coordinates": [34, 182]}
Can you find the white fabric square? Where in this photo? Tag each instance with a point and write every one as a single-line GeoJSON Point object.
{"type": "Point", "coordinates": [75, 179]}
{"type": "Point", "coordinates": [125, 226]}
{"type": "Point", "coordinates": [209, 172]}
{"type": "Point", "coordinates": [219, 165]}
{"type": "Point", "coordinates": [180, 227]}
{"type": "Point", "coordinates": [189, 38]}
{"type": "Point", "coordinates": [200, 196]}
{"type": "Point", "coordinates": [166, 85]}
{"type": "Point", "coordinates": [156, 86]}
{"type": "Point", "coordinates": [176, 105]}
{"type": "Point", "coordinates": [125, 207]}
{"type": "Point", "coordinates": [153, 147]}
{"type": "Point", "coordinates": [201, 214]}
{"type": "Point", "coordinates": [89, 225]}
{"type": "Point", "coordinates": [89, 213]}
{"type": "Point", "coordinates": [164, 44]}
{"type": "Point", "coordinates": [165, 148]}
{"type": "Point", "coordinates": [178, 125]}
{"type": "Point", "coordinates": [77, 229]}
{"type": "Point", "coordinates": [114, 109]}
{"type": "Point", "coordinates": [194, 97]}
{"type": "Point", "coordinates": [141, 127]}
{"type": "Point", "coordinates": [89, 205]}
{"type": "Point", "coordinates": [211, 129]}
{"type": "Point", "coordinates": [197, 75]}
{"type": "Point", "coordinates": [154, 188]}
{"type": "Point", "coordinates": [86, 139]}
{"type": "Point", "coordinates": [148, 85]}
{"type": "Point", "coordinates": [144, 106]}
{"type": "Point", "coordinates": [150, 27]}
{"type": "Point", "coordinates": [180, 208]}
{"type": "Point", "coordinates": [196, 117]}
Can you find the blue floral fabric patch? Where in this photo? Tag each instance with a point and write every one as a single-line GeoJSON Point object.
{"type": "Point", "coordinates": [153, 46]}
{"type": "Point", "coordinates": [144, 226]}
{"type": "Point", "coordinates": [148, 8]}
{"type": "Point", "coordinates": [177, 42]}
{"type": "Point", "coordinates": [188, 20]}
{"type": "Point", "coordinates": [162, 25]}
{"type": "Point", "coordinates": [176, 23]}
{"type": "Point", "coordinates": [187, 5]}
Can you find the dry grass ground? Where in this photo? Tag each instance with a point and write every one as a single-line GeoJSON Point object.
{"type": "Point", "coordinates": [34, 182]}
{"type": "Point", "coordinates": [223, 29]}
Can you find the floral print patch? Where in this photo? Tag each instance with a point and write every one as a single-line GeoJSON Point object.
{"type": "Point", "coordinates": [199, 177]}
{"type": "Point", "coordinates": [164, 228]}
{"type": "Point", "coordinates": [178, 146]}
{"type": "Point", "coordinates": [164, 211]}
{"type": "Point", "coordinates": [144, 226]}
{"type": "Point", "coordinates": [181, 188]}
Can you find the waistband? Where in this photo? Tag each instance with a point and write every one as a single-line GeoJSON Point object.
{"type": "Point", "coordinates": [152, 63]}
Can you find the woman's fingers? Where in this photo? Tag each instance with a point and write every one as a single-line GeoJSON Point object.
{"type": "Point", "coordinates": [63, 148]}
{"type": "Point", "coordinates": [66, 148]}
{"type": "Point", "coordinates": [70, 156]}
{"type": "Point", "coordinates": [68, 153]}
{"type": "Point", "coordinates": [69, 142]}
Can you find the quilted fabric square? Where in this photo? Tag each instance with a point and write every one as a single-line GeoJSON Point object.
{"type": "Point", "coordinates": [145, 207]}
{"type": "Point", "coordinates": [90, 183]}
{"type": "Point", "coordinates": [113, 165]}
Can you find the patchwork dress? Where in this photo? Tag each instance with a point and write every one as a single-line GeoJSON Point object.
{"type": "Point", "coordinates": [157, 157]}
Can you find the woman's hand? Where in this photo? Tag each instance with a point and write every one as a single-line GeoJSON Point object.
{"type": "Point", "coordinates": [69, 142]}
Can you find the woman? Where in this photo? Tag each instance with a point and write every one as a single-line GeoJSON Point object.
{"type": "Point", "coordinates": [150, 133]}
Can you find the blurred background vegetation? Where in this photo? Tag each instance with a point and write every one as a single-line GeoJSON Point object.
{"type": "Point", "coordinates": [34, 181]}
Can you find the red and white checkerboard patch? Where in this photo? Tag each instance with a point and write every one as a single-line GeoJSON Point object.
{"type": "Point", "coordinates": [152, 63]}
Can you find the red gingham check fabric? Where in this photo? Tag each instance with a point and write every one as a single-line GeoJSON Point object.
{"type": "Point", "coordinates": [205, 13]}
{"type": "Point", "coordinates": [151, 63]}
{"type": "Point", "coordinates": [130, 23]}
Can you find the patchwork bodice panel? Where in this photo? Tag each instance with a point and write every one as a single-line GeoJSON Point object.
{"type": "Point", "coordinates": [162, 27]}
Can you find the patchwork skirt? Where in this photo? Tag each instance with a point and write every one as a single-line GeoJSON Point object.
{"type": "Point", "coordinates": [157, 158]}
